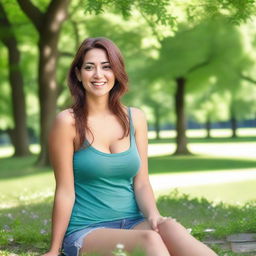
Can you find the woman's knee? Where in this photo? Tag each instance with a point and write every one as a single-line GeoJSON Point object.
{"type": "Point", "coordinates": [153, 244]}
{"type": "Point", "coordinates": [171, 224]}
{"type": "Point", "coordinates": [150, 237]}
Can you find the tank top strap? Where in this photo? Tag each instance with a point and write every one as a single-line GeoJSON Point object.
{"type": "Point", "coordinates": [130, 121]}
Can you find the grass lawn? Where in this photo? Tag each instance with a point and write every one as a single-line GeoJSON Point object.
{"type": "Point", "coordinates": [26, 195]}
{"type": "Point", "coordinates": [236, 193]}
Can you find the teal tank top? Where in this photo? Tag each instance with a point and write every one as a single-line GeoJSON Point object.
{"type": "Point", "coordinates": [104, 185]}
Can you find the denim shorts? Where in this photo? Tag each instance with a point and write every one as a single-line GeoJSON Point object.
{"type": "Point", "coordinates": [73, 242]}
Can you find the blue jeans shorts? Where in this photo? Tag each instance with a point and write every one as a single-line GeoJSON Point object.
{"type": "Point", "coordinates": [73, 242]}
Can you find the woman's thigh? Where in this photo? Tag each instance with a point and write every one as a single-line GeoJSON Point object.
{"type": "Point", "coordinates": [105, 240]}
{"type": "Point", "coordinates": [143, 226]}
{"type": "Point", "coordinates": [177, 239]}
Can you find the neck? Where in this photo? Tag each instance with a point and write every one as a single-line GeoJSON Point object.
{"type": "Point", "coordinates": [97, 106]}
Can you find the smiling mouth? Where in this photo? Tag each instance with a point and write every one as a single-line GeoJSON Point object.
{"type": "Point", "coordinates": [98, 84]}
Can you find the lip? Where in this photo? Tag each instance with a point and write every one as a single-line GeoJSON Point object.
{"type": "Point", "coordinates": [99, 83]}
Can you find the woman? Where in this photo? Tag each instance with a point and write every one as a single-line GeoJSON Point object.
{"type": "Point", "coordinates": [98, 149]}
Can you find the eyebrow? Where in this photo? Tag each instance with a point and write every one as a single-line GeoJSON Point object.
{"type": "Point", "coordinates": [104, 62]}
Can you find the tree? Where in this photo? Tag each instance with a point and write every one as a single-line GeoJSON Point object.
{"type": "Point", "coordinates": [18, 135]}
{"type": "Point", "coordinates": [48, 24]}
{"type": "Point", "coordinates": [181, 59]}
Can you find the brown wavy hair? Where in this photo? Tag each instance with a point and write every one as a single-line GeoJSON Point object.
{"type": "Point", "coordinates": [79, 105]}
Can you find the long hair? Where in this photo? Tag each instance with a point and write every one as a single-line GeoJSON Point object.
{"type": "Point", "coordinates": [79, 105]}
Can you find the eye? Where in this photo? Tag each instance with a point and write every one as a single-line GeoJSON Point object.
{"type": "Point", "coordinates": [107, 67]}
{"type": "Point", "coordinates": [88, 67]}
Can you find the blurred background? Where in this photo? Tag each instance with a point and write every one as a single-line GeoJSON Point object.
{"type": "Point", "coordinates": [191, 67]}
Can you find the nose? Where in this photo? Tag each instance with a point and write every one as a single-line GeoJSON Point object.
{"type": "Point", "coordinates": [98, 72]}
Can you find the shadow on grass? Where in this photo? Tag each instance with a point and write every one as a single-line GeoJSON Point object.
{"type": "Point", "coordinates": [178, 164]}
{"type": "Point", "coordinates": [14, 167]}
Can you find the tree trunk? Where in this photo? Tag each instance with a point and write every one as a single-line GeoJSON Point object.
{"type": "Point", "coordinates": [233, 121]}
{"type": "Point", "coordinates": [157, 122]}
{"type": "Point", "coordinates": [48, 25]}
{"type": "Point", "coordinates": [47, 92]}
{"type": "Point", "coordinates": [181, 139]}
{"type": "Point", "coordinates": [233, 126]}
{"type": "Point", "coordinates": [18, 135]}
{"type": "Point", "coordinates": [21, 140]}
{"type": "Point", "coordinates": [208, 128]}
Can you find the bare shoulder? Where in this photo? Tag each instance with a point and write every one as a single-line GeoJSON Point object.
{"type": "Point", "coordinates": [65, 120]}
{"type": "Point", "coordinates": [66, 117]}
{"type": "Point", "coordinates": [138, 116]}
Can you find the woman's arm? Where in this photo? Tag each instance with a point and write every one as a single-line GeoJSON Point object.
{"type": "Point", "coordinates": [61, 149]}
{"type": "Point", "coordinates": [142, 187]}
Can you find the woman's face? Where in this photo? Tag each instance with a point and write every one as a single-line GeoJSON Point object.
{"type": "Point", "coordinates": [96, 74]}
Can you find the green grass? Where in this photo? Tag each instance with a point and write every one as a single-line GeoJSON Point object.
{"type": "Point", "coordinates": [26, 228]}
{"type": "Point", "coordinates": [204, 214]}
{"type": "Point", "coordinates": [13, 168]}
{"type": "Point", "coordinates": [236, 193]}
{"type": "Point", "coordinates": [178, 164]}
{"type": "Point", "coordinates": [23, 183]}
{"type": "Point", "coordinates": [26, 195]}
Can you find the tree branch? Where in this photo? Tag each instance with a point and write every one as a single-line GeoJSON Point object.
{"type": "Point", "coordinates": [32, 12]}
{"type": "Point", "coordinates": [151, 24]}
{"type": "Point", "coordinates": [202, 64]}
{"type": "Point", "coordinates": [247, 78]}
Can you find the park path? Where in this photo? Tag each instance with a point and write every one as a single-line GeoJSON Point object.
{"type": "Point", "coordinates": [239, 150]}
{"type": "Point", "coordinates": [175, 180]}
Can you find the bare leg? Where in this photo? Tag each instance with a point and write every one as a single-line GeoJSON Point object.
{"type": "Point", "coordinates": [104, 241]}
{"type": "Point", "coordinates": [177, 239]}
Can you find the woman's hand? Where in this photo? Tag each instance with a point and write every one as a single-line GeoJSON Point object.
{"type": "Point", "coordinates": [156, 220]}
{"type": "Point", "coordinates": [51, 253]}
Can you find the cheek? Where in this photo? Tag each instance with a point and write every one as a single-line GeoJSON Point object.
{"type": "Point", "coordinates": [111, 77]}
{"type": "Point", "coordinates": [110, 74]}
{"type": "Point", "coordinates": [85, 75]}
